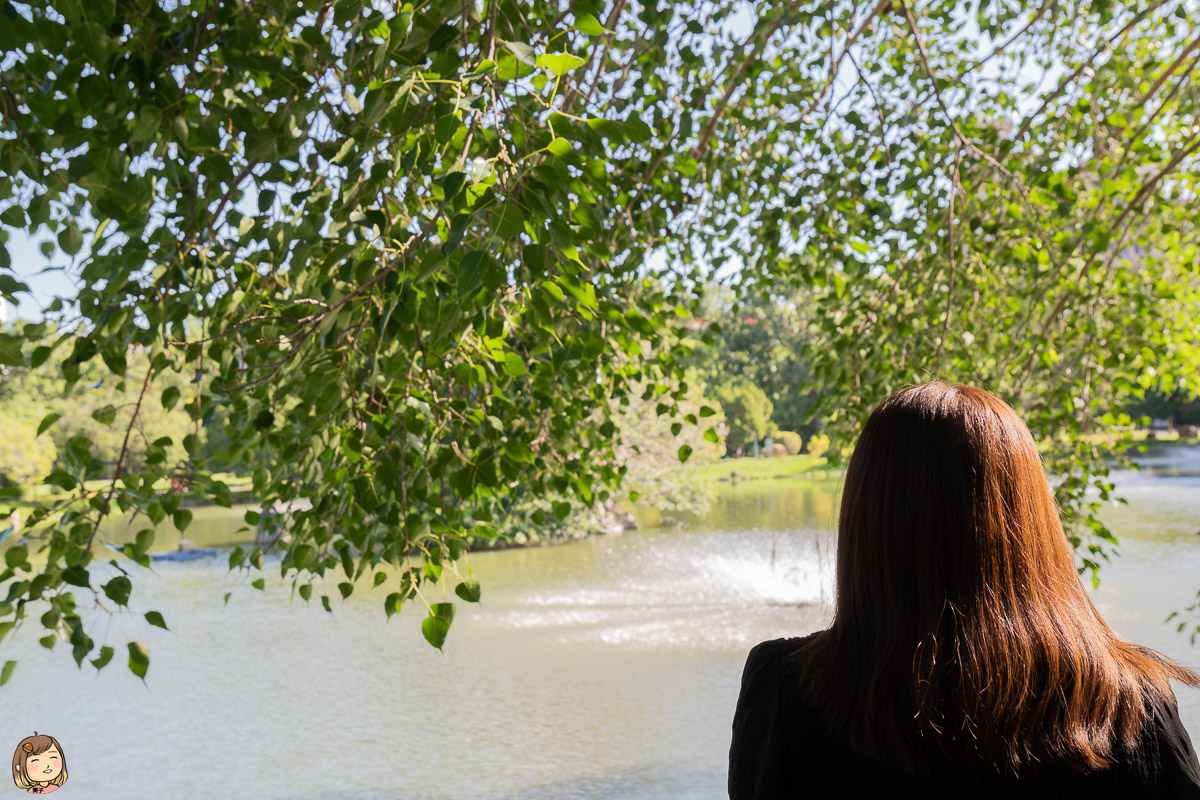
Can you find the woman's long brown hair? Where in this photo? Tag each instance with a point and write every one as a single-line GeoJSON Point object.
{"type": "Point", "coordinates": [963, 641]}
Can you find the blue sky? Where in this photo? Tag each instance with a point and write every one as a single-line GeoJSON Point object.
{"type": "Point", "coordinates": [38, 271]}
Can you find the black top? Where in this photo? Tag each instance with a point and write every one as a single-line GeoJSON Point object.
{"type": "Point", "coordinates": [781, 751]}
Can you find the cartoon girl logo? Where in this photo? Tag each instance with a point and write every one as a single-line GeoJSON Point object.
{"type": "Point", "coordinates": [39, 765]}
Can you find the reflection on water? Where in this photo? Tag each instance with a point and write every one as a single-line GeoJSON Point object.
{"type": "Point", "coordinates": [604, 669]}
{"type": "Point", "coordinates": [1163, 461]}
{"type": "Point", "coordinates": [211, 526]}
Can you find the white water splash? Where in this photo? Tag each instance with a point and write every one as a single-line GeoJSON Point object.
{"type": "Point", "coordinates": [669, 592]}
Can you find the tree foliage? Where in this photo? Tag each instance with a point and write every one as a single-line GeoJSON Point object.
{"type": "Point", "coordinates": [24, 456]}
{"type": "Point", "coordinates": [417, 253]}
{"type": "Point", "coordinates": [764, 342]}
{"type": "Point", "coordinates": [96, 408]}
{"type": "Point", "coordinates": [651, 444]}
{"type": "Point", "coordinates": [747, 414]}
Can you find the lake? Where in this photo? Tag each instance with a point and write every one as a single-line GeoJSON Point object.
{"type": "Point", "coordinates": [607, 668]}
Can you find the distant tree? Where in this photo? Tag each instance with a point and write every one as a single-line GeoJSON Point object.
{"type": "Point", "coordinates": [87, 419]}
{"type": "Point", "coordinates": [24, 456]}
{"type": "Point", "coordinates": [652, 444]}
{"type": "Point", "coordinates": [1179, 406]}
{"type": "Point", "coordinates": [762, 341]}
{"type": "Point", "coordinates": [747, 413]}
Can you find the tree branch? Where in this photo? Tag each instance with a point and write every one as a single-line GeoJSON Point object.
{"type": "Point", "coordinates": [112, 488]}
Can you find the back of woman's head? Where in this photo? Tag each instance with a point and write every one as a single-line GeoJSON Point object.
{"type": "Point", "coordinates": [963, 640]}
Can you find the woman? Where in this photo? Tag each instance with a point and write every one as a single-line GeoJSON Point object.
{"type": "Point", "coordinates": [39, 765]}
{"type": "Point", "coordinates": [965, 658]}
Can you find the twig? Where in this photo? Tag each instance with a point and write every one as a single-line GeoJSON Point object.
{"type": "Point", "coordinates": [1124, 220]}
{"type": "Point", "coordinates": [937, 357]}
{"type": "Point", "coordinates": [1067, 81]}
{"type": "Point", "coordinates": [1154, 87]}
{"type": "Point", "coordinates": [958, 134]}
{"type": "Point", "coordinates": [112, 488]}
{"type": "Point", "coordinates": [233, 187]}
{"type": "Point", "coordinates": [316, 318]}
{"type": "Point", "coordinates": [732, 85]}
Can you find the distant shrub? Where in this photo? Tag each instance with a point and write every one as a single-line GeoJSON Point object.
{"type": "Point", "coordinates": [24, 456]}
{"type": "Point", "coordinates": [791, 440]}
{"type": "Point", "coordinates": [818, 444]}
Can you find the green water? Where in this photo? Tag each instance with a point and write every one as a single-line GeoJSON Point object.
{"type": "Point", "coordinates": [603, 669]}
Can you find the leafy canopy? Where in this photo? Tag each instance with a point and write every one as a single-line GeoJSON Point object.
{"type": "Point", "coordinates": [418, 254]}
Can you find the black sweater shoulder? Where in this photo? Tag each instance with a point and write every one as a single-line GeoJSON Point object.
{"type": "Point", "coordinates": [780, 751]}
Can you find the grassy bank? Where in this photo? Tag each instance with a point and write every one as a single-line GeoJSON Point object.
{"type": "Point", "coordinates": [1109, 441]}
{"type": "Point", "coordinates": [40, 494]}
{"type": "Point", "coordinates": [749, 469]}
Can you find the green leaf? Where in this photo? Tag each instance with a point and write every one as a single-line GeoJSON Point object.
{"type": "Point", "coordinates": [453, 184]}
{"type": "Point", "coordinates": [61, 478]}
{"type": "Point", "coordinates": [148, 120]}
{"type": "Point", "coordinates": [510, 222]}
{"type": "Point", "coordinates": [156, 619]}
{"type": "Point", "coordinates": [94, 43]}
{"type": "Point", "coordinates": [685, 452]}
{"type": "Point", "coordinates": [16, 556]}
{"type": "Point", "coordinates": [589, 24]}
{"type": "Point", "coordinates": [711, 436]}
{"type": "Point", "coordinates": [9, 286]}
{"type": "Point", "coordinates": [559, 63]}
{"type": "Point", "coordinates": [101, 661]}
{"type": "Point", "coordinates": [139, 659]}
{"type": "Point", "coordinates": [118, 590]}
{"type": "Point", "coordinates": [637, 131]}
{"type": "Point", "coordinates": [521, 51]}
{"type": "Point", "coordinates": [518, 451]}
{"type": "Point", "coordinates": [559, 147]}
{"type": "Point", "coordinates": [514, 366]}
{"type": "Point", "coordinates": [182, 518]}
{"type": "Point", "coordinates": [105, 415]}
{"type": "Point", "coordinates": [70, 239]}
{"type": "Point", "coordinates": [607, 128]}
{"type": "Point", "coordinates": [561, 509]}
{"type": "Point", "coordinates": [47, 421]}
{"type": "Point", "coordinates": [10, 351]}
{"type": "Point", "coordinates": [510, 68]}
{"type": "Point", "coordinates": [471, 271]}
{"type": "Point", "coordinates": [344, 151]}
{"type": "Point", "coordinates": [303, 556]}
{"type": "Point", "coordinates": [7, 672]}
{"type": "Point", "coordinates": [468, 590]}
{"type": "Point", "coordinates": [14, 216]}
{"type": "Point", "coordinates": [437, 624]}
{"type": "Point", "coordinates": [76, 576]}
{"type": "Point", "coordinates": [170, 397]}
